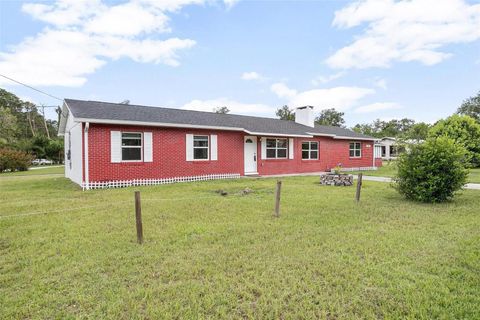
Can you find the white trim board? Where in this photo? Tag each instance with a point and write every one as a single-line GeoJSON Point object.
{"type": "Point", "coordinates": [194, 126]}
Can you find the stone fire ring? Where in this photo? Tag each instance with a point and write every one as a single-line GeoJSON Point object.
{"type": "Point", "coordinates": [333, 179]}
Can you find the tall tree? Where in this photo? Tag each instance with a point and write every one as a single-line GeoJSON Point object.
{"type": "Point", "coordinates": [380, 129]}
{"type": "Point", "coordinates": [221, 110]}
{"type": "Point", "coordinates": [30, 121]}
{"type": "Point", "coordinates": [364, 128]}
{"type": "Point", "coordinates": [471, 107]}
{"type": "Point", "coordinates": [417, 132]}
{"type": "Point", "coordinates": [464, 130]}
{"type": "Point", "coordinates": [8, 127]}
{"type": "Point", "coordinates": [23, 127]}
{"type": "Point", "coordinates": [331, 117]}
{"type": "Point", "coordinates": [284, 113]}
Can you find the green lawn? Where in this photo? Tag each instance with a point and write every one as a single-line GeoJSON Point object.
{"type": "Point", "coordinates": [474, 175]}
{"type": "Point", "coordinates": [42, 170]}
{"type": "Point", "coordinates": [389, 170]}
{"type": "Point", "coordinates": [208, 256]}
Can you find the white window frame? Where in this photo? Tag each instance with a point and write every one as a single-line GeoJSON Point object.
{"type": "Point", "coordinates": [310, 149]}
{"type": "Point", "coordinates": [131, 147]}
{"type": "Point", "coordinates": [276, 148]}
{"type": "Point", "coordinates": [207, 147]}
{"type": "Point", "coordinates": [355, 143]}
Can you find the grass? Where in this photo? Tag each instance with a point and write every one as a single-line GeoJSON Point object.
{"type": "Point", "coordinates": [389, 170]}
{"type": "Point", "coordinates": [474, 176]}
{"type": "Point", "coordinates": [209, 256]}
{"type": "Point", "coordinates": [43, 170]}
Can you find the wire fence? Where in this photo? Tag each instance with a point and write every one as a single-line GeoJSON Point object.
{"type": "Point", "coordinates": [218, 196]}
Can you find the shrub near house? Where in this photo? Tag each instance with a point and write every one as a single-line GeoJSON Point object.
{"type": "Point", "coordinates": [432, 171]}
{"type": "Point", "coordinates": [14, 160]}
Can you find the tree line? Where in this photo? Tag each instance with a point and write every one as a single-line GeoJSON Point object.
{"type": "Point", "coordinates": [399, 128]}
{"type": "Point", "coordinates": [24, 128]}
{"type": "Point", "coordinates": [463, 127]}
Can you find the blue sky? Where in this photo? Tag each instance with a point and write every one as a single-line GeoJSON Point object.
{"type": "Point", "coordinates": [371, 59]}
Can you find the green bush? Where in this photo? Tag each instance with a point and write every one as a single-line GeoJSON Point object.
{"type": "Point", "coordinates": [14, 160]}
{"type": "Point", "coordinates": [432, 171]}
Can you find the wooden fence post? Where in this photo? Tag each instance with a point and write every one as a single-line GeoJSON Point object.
{"type": "Point", "coordinates": [138, 217]}
{"type": "Point", "coordinates": [277, 198]}
{"type": "Point", "coordinates": [359, 187]}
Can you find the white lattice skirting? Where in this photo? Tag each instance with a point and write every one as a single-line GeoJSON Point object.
{"type": "Point", "coordinates": [152, 182]}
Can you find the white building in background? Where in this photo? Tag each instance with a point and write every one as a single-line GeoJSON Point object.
{"type": "Point", "coordinates": [388, 148]}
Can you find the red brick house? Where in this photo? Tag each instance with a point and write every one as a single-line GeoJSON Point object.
{"type": "Point", "coordinates": [110, 144]}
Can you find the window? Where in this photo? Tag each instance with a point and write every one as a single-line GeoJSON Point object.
{"type": "Point", "coordinates": [310, 150]}
{"type": "Point", "coordinates": [200, 147]}
{"type": "Point", "coordinates": [131, 146]}
{"type": "Point", "coordinates": [276, 148]}
{"type": "Point", "coordinates": [355, 149]}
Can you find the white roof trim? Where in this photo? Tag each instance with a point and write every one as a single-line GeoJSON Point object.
{"type": "Point", "coordinates": [156, 124]}
{"type": "Point", "coordinates": [278, 134]}
{"type": "Point", "coordinates": [341, 137]}
{"type": "Point", "coordinates": [354, 138]}
{"type": "Point", "coordinates": [190, 126]}
{"type": "Point", "coordinates": [322, 134]}
{"type": "Point", "coordinates": [64, 114]}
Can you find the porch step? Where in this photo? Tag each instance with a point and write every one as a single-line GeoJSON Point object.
{"type": "Point", "coordinates": [252, 175]}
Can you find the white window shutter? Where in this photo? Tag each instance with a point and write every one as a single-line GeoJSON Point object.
{"type": "Point", "coordinates": [115, 146]}
{"type": "Point", "coordinates": [264, 148]}
{"type": "Point", "coordinates": [213, 147]}
{"type": "Point", "coordinates": [189, 146]}
{"type": "Point", "coordinates": [147, 147]}
{"type": "Point", "coordinates": [291, 150]}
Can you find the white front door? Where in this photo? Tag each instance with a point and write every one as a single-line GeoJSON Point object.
{"type": "Point", "coordinates": [250, 154]}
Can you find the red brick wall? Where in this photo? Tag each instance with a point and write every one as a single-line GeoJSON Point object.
{"type": "Point", "coordinates": [169, 155]}
{"type": "Point", "coordinates": [332, 152]}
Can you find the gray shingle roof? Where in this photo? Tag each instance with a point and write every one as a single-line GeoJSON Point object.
{"type": "Point", "coordinates": [121, 112]}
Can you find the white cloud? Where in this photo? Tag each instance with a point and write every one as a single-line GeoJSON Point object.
{"type": "Point", "coordinates": [252, 76]}
{"type": "Point", "coordinates": [82, 36]}
{"type": "Point", "coordinates": [340, 98]}
{"type": "Point", "coordinates": [230, 3]}
{"type": "Point", "coordinates": [234, 106]}
{"type": "Point", "coordinates": [64, 58]}
{"type": "Point", "coordinates": [379, 106]}
{"type": "Point", "coordinates": [281, 90]}
{"type": "Point", "coordinates": [380, 83]}
{"type": "Point", "coordinates": [129, 19]}
{"type": "Point", "coordinates": [64, 12]}
{"type": "Point", "coordinates": [404, 31]}
{"type": "Point", "coordinates": [325, 79]}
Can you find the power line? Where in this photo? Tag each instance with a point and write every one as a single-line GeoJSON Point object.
{"type": "Point", "coordinates": [26, 85]}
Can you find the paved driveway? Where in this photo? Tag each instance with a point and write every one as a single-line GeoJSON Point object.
{"type": "Point", "coordinates": [471, 186]}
